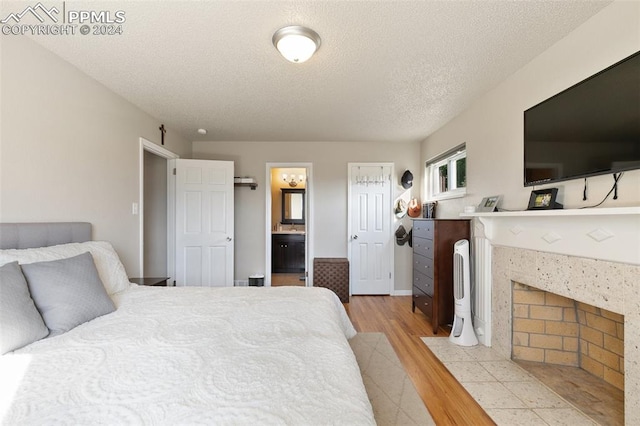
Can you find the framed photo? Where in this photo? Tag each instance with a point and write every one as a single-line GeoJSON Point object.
{"type": "Point", "coordinates": [543, 199]}
{"type": "Point", "coordinates": [489, 204]}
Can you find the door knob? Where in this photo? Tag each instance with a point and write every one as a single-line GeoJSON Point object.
{"type": "Point", "coordinates": [229, 238]}
{"type": "Point", "coordinates": [355, 237]}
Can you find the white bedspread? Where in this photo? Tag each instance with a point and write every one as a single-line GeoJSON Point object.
{"type": "Point", "coordinates": [246, 356]}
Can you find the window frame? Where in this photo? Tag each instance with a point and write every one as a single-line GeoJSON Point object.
{"type": "Point", "coordinates": [432, 167]}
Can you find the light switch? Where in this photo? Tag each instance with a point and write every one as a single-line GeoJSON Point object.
{"type": "Point", "coordinates": [134, 208]}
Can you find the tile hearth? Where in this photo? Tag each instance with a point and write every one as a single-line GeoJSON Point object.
{"type": "Point", "coordinates": [509, 394]}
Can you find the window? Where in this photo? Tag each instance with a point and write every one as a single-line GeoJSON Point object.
{"type": "Point", "coordinates": [447, 174]}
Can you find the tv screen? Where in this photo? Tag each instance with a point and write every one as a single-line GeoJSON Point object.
{"type": "Point", "coordinates": [590, 129]}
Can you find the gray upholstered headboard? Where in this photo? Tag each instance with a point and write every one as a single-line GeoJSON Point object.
{"type": "Point", "coordinates": [30, 235]}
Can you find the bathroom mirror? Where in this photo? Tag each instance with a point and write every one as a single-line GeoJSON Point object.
{"type": "Point", "coordinates": [292, 206]}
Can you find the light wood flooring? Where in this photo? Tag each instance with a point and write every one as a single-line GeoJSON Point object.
{"type": "Point", "coordinates": [278, 280]}
{"type": "Point", "coordinates": [447, 401]}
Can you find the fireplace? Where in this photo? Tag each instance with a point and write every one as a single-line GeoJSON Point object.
{"type": "Point", "coordinates": [591, 258]}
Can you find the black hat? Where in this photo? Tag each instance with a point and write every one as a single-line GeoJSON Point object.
{"type": "Point", "coordinates": [407, 180]}
{"type": "Point", "coordinates": [402, 236]}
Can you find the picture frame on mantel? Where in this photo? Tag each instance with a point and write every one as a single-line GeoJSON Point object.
{"type": "Point", "coordinates": [544, 199]}
{"type": "Point", "coordinates": [489, 204]}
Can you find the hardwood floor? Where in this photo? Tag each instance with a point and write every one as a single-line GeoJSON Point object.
{"type": "Point", "coordinates": [294, 279]}
{"type": "Point", "coordinates": [447, 401]}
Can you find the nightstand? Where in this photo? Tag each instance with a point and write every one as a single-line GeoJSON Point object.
{"type": "Point", "coordinates": [156, 281]}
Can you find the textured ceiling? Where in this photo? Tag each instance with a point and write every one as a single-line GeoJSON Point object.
{"type": "Point", "coordinates": [386, 70]}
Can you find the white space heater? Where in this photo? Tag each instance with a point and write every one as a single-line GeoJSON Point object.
{"type": "Point", "coordinates": [462, 332]}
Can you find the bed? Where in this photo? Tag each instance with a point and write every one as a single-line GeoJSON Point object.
{"type": "Point", "coordinates": [176, 355]}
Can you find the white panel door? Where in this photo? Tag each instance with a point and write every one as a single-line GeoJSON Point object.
{"type": "Point", "coordinates": [371, 242]}
{"type": "Point", "coordinates": [204, 223]}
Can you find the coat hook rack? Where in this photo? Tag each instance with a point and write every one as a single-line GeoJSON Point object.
{"type": "Point", "coordinates": [162, 132]}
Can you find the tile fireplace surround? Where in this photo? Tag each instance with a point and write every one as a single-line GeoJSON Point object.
{"type": "Point", "coordinates": [592, 256]}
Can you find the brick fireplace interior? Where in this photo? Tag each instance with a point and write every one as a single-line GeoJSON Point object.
{"type": "Point", "coordinates": [574, 348]}
{"type": "Point", "coordinates": [553, 329]}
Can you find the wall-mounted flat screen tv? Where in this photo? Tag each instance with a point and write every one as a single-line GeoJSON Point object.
{"type": "Point", "coordinates": [592, 128]}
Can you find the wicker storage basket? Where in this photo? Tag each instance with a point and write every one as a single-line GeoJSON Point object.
{"type": "Point", "coordinates": [332, 273]}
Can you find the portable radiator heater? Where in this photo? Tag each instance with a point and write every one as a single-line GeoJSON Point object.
{"type": "Point", "coordinates": [462, 332]}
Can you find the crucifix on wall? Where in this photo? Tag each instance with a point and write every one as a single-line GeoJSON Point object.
{"type": "Point", "coordinates": [162, 132]}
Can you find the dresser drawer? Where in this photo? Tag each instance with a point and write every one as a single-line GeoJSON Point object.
{"type": "Point", "coordinates": [423, 265]}
{"type": "Point", "coordinates": [423, 302]}
{"type": "Point", "coordinates": [423, 246]}
{"type": "Point", "coordinates": [423, 229]}
{"type": "Point", "coordinates": [423, 282]}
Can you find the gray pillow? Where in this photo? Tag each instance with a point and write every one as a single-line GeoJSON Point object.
{"type": "Point", "coordinates": [20, 321]}
{"type": "Point", "coordinates": [67, 292]}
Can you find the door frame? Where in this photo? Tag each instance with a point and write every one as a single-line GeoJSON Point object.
{"type": "Point", "coordinates": [392, 183]}
{"type": "Point", "coordinates": [309, 226]}
{"type": "Point", "coordinates": [146, 145]}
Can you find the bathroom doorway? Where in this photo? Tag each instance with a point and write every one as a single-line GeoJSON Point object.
{"type": "Point", "coordinates": [288, 224]}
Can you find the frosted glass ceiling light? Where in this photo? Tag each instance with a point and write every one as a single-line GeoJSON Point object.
{"type": "Point", "coordinates": [295, 43]}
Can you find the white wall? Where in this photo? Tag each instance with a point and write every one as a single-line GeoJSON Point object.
{"type": "Point", "coordinates": [329, 183]}
{"type": "Point", "coordinates": [70, 147]}
{"type": "Point", "coordinates": [493, 126]}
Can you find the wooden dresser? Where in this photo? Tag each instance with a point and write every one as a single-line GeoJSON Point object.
{"type": "Point", "coordinates": [433, 241]}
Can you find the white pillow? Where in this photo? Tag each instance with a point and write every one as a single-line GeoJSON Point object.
{"type": "Point", "coordinates": [108, 264]}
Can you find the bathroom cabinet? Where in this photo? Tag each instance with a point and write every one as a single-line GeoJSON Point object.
{"type": "Point", "coordinates": [287, 253]}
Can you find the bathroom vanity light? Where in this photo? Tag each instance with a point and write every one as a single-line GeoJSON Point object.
{"type": "Point", "coordinates": [297, 44]}
{"type": "Point", "coordinates": [292, 180]}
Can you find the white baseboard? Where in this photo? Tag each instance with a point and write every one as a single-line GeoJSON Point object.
{"type": "Point", "coordinates": [402, 293]}
{"type": "Point", "coordinates": [241, 283]}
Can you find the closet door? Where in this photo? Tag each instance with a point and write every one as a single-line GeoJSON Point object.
{"type": "Point", "coordinates": [371, 241]}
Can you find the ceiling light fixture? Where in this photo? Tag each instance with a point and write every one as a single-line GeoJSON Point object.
{"type": "Point", "coordinates": [202, 131]}
{"type": "Point", "coordinates": [297, 44]}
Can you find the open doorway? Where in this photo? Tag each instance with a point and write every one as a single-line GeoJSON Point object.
{"type": "Point", "coordinates": [288, 224]}
{"type": "Point", "coordinates": [154, 214]}
{"type": "Point", "coordinates": [156, 218]}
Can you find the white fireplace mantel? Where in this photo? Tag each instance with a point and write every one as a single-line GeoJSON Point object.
{"type": "Point", "coordinates": [611, 234]}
